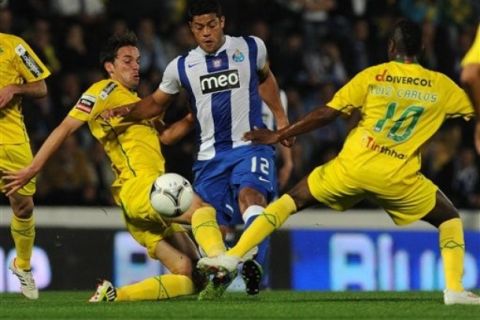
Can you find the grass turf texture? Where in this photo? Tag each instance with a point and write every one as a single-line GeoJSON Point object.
{"type": "Point", "coordinates": [267, 305]}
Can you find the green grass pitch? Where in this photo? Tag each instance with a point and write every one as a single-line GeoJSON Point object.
{"type": "Point", "coordinates": [267, 305]}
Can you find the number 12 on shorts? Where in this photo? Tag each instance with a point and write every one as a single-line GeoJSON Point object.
{"type": "Point", "coordinates": [260, 163]}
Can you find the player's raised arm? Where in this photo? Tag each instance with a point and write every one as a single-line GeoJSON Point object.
{"type": "Point", "coordinates": [18, 179]}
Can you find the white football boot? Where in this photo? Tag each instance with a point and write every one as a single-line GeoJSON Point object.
{"type": "Point", "coordinates": [463, 297]}
{"type": "Point", "coordinates": [105, 292]}
{"type": "Point", "coordinates": [221, 263]}
{"type": "Point", "coordinates": [27, 283]}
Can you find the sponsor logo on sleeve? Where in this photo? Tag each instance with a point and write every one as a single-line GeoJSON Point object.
{"type": "Point", "coordinates": [28, 61]}
{"type": "Point", "coordinates": [107, 90]}
{"type": "Point", "coordinates": [86, 103]}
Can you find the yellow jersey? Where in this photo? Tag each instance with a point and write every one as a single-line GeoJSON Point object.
{"type": "Point", "coordinates": [18, 65]}
{"type": "Point", "coordinates": [402, 106]}
{"type": "Point", "coordinates": [473, 54]}
{"type": "Point", "coordinates": [133, 147]}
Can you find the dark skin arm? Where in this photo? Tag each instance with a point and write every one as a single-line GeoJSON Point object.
{"type": "Point", "coordinates": [317, 118]}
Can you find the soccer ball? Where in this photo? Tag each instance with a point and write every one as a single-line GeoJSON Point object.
{"type": "Point", "coordinates": [171, 195]}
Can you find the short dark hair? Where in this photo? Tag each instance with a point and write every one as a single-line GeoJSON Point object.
{"type": "Point", "coordinates": [407, 36]}
{"type": "Point", "coordinates": [115, 42]}
{"type": "Point", "coordinates": [200, 7]}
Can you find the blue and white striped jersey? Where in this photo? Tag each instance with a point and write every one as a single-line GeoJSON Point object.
{"type": "Point", "coordinates": [223, 90]}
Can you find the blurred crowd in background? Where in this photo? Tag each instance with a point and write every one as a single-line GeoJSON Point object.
{"type": "Point", "coordinates": [315, 46]}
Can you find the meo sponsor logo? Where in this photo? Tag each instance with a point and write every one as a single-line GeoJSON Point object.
{"type": "Point", "coordinates": [220, 81]}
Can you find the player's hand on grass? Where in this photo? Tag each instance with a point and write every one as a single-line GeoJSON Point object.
{"type": "Point", "coordinates": [262, 136]}
{"type": "Point", "coordinates": [16, 180]}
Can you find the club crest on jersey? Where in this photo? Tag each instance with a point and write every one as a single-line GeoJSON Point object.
{"type": "Point", "coordinates": [238, 56]}
{"type": "Point", "coordinates": [107, 90]}
{"type": "Point", "coordinates": [217, 63]}
{"type": "Point", "coordinates": [86, 103]}
{"type": "Point", "coordinates": [220, 81]}
{"type": "Point", "coordinates": [29, 62]}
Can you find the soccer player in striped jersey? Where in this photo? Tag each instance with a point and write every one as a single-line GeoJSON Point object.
{"type": "Point", "coordinates": [402, 106]}
{"type": "Point", "coordinates": [230, 217]}
{"type": "Point", "coordinates": [22, 75]}
{"type": "Point", "coordinates": [226, 78]}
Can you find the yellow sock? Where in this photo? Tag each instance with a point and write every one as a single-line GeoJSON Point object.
{"type": "Point", "coordinates": [23, 234]}
{"type": "Point", "coordinates": [272, 218]}
{"type": "Point", "coordinates": [157, 288]}
{"type": "Point", "coordinates": [452, 247]}
{"type": "Point", "coordinates": [206, 231]}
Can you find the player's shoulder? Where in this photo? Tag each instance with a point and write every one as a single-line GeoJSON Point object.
{"type": "Point", "coordinates": [96, 87]}
{"type": "Point", "coordinates": [10, 38]}
{"type": "Point", "coordinates": [252, 39]}
{"type": "Point", "coordinates": [11, 41]}
{"type": "Point", "coordinates": [103, 89]}
{"type": "Point", "coordinates": [438, 77]}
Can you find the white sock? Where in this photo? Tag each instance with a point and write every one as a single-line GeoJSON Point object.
{"type": "Point", "coordinates": [252, 212]}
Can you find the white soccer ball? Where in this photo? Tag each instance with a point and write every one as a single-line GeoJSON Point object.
{"type": "Point", "coordinates": [171, 195]}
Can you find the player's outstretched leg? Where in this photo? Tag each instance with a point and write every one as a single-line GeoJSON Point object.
{"type": "Point", "coordinates": [27, 283]}
{"type": "Point", "coordinates": [105, 292]}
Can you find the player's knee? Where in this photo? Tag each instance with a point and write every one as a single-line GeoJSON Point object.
{"type": "Point", "coordinates": [24, 208]}
{"type": "Point", "coordinates": [444, 210]}
{"type": "Point", "coordinates": [183, 266]}
{"type": "Point", "coordinates": [250, 197]}
{"type": "Point", "coordinates": [301, 195]}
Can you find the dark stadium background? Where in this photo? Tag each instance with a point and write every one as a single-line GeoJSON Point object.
{"type": "Point", "coordinates": [313, 51]}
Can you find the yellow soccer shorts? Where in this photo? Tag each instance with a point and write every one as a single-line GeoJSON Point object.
{"type": "Point", "coordinates": [14, 157]}
{"type": "Point", "coordinates": [405, 200]}
{"type": "Point", "coordinates": [145, 225]}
